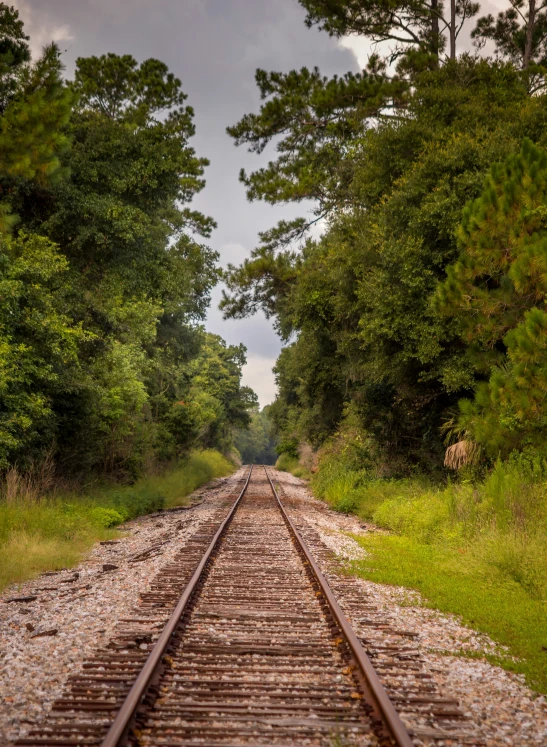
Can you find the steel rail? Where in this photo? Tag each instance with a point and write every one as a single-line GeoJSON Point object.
{"type": "Point", "coordinates": [125, 715]}
{"type": "Point", "coordinates": [382, 701]}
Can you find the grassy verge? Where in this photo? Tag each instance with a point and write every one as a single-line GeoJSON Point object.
{"type": "Point", "coordinates": [287, 463]}
{"type": "Point", "coordinates": [465, 585]}
{"type": "Point", "coordinates": [52, 532]}
{"type": "Point", "coordinates": [475, 549]}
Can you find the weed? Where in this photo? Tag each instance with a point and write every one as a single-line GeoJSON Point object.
{"type": "Point", "coordinates": [288, 463]}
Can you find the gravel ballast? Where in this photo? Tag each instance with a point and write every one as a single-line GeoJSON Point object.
{"type": "Point", "coordinates": [83, 606]}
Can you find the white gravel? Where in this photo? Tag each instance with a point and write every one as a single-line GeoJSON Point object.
{"type": "Point", "coordinates": [500, 705]}
{"type": "Point", "coordinates": [84, 610]}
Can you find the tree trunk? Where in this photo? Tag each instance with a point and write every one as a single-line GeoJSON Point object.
{"type": "Point", "coordinates": [528, 48]}
{"type": "Point", "coordinates": [435, 29]}
{"type": "Point", "coordinates": [452, 29]}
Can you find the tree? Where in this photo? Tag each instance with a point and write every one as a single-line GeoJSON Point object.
{"type": "Point", "coordinates": [216, 403]}
{"type": "Point", "coordinates": [14, 52]}
{"type": "Point", "coordinates": [35, 107]}
{"type": "Point", "coordinates": [412, 25]}
{"type": "Point", "coordinates": [520, 33]}
{"type": "Point", "coordinates": [39, 343]}
{"type": "Point", "coordinates": [356, 305]}
{"type": "Point", "coordinates": [315, 121]}
{"type": "Point", "coordinates": [257, 443]}
{"type": "Point", "coordinates": [496, 290]}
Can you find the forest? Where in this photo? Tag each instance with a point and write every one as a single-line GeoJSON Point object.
{"type": "Point", "coordinates": [417, 319]}
{"type": "Point", "coordinates": [115, 401]}
{"type": "Point", "coordinates": [105, 273]}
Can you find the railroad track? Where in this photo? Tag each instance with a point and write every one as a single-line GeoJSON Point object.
{"type": "Point", "coordinates": [256, 652]}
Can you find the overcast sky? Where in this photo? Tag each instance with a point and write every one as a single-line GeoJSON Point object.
{"type": "Point", "coordinates": [214, 46]}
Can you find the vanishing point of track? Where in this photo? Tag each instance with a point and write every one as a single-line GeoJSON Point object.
{"type": "Point", "coordinates": [256, 652]}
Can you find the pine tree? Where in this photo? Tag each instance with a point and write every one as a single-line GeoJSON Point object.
{"type": "Point", "coordinates": [415, 29]}
{"type": "Point", "coordinates": [35, 107]}
{"type": "Point", "coordinates": [519, 33]}
{"type": "Point", "coordinates": [497, 291]}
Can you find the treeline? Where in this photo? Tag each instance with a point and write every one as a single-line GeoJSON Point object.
{"type": "Point", "coordinates": [104, 276]}
{"type": "Point", "coordinates": [257, 444]}
{"type": "Point", "coordinates": [418, 319]}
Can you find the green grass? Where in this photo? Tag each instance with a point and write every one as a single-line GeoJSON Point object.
{"type": "Point", "coordinates": [55, 531]}
{"type": "Point", "coordinates": [287, 463]}
{"type": "Point", "coordinates": [476, 548]}
{"type": "Point", "coordinates": [485, 597]}
{"type": "Point", "coordinates": [176, 484]}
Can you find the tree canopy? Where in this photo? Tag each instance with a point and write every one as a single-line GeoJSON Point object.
{"type": "Point", "coordinates": [391, 157]}
{"type": "Point", "coordinates": [105, 275]}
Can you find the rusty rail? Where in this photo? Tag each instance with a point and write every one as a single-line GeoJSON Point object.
{"type": "Point", "coordinates": [122, 722]}
{"type": "Point", "coordinates": [374, 691]}
{"type": "Point", "coordinates": [375, 688]}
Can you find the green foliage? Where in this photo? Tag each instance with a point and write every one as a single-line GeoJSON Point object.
{"type": "Point", "coordinates": [216, 400]}
{"type": "Point", "coordinates": [458, 581]}
{"type": "Point", "coordinates": [312, 118]}
{"type": "Point", "coordinates": [358, 303]}
{"type": "Point", "coordinates": [197, 469]}
{"type": "Point", "coordinates": [288, 463]}
{"type": "Point", "coordinates": [123, 90]}
{"type": "Point", "coordinates": [105, 517]}
{"type": "Point", "coordinates": [257, 444]}
{"type": "Point", "coordinates": [472, 548]}
{"type": "Point", "coordinates": [520, 35]}
{"type": "Point", "coordinates": [105, 283]}
{"type": "Point", "coordinates": [35, 107]}
{"type": "Point", "coordinates": [415, 29]}
{"type": "Point", "coordinates": [49, 531]}
{"type": "Point", "coordinates": [496, 291]}
{"type": "Point", "coordinates": [39, 343]}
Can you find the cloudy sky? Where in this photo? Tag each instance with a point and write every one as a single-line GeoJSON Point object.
{"type": "Point", "coordinates": [214, 46]}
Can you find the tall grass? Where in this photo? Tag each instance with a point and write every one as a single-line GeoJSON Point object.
{"type": "Point", "coordinates": [41, 530]}
{"type": "Point", "coordinates": [473, 547]}
{"type": "Point", "coordinates": [288, 463]}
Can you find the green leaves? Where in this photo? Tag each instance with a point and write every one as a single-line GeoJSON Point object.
{"type": "Point", "coordinates": [35, 111]}
{"type": "Point", "coordinates": [314, 120]}
{"type": "Point", "coordinates": [358, 305]}
{"type": "Point", "coordinates": [102, 291]}
{"type": "Point", "coordinates": [39, 341]}
{"type": "Point", "coordinates": [496, 290]}
{"type": "Point", "coordinates": [119, 88]}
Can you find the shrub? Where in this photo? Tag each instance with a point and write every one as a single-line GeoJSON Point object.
{"type": "Point", "coordinates": [105, 517]}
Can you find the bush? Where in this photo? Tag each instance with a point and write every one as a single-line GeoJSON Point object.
{"type": "Point", "coordinates": [288, 463]}
{"type": "Point", "coordinates": [105, 517]}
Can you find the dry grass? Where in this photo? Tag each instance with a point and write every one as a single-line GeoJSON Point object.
{"type": "Point", "coordinates": [30, 486]}
{"type": "Point", "coordinates": [461, 453]}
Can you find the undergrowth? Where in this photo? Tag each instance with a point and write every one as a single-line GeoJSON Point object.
{"type": "Point", "coordinates": [40, 532]}
{"type": "Point", "coordinates": [475, 547]}
{"type": "Point", "coordinates": [288, 463]}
